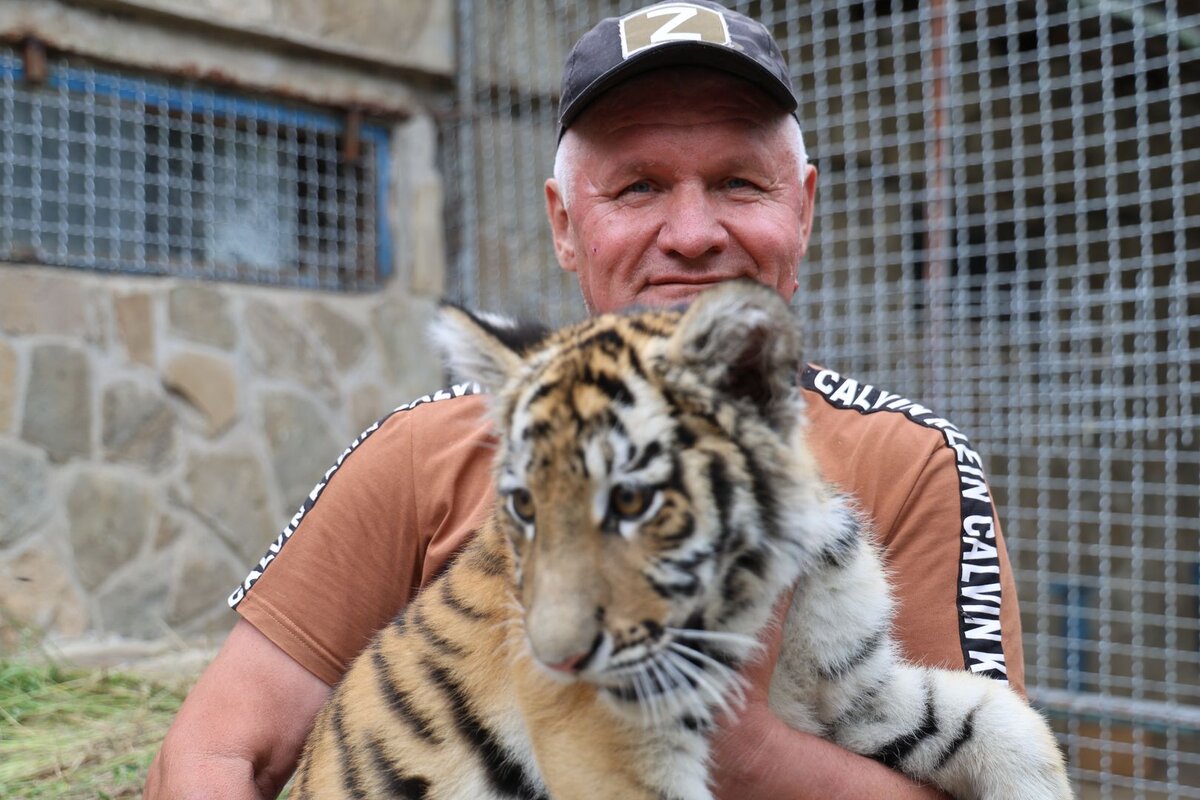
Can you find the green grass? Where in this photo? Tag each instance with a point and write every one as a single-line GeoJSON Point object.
{"type": "Point", "coordinates": [67, 734]}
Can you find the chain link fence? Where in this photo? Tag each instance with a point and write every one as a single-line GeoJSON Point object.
{"type": "Point", "coordinates": [1008, 228]}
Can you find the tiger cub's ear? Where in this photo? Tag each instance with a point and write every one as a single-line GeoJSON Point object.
{"type": "Point", "coordinates": [482, 347]}
{"type": "Point", "coordinates": [742, 339]}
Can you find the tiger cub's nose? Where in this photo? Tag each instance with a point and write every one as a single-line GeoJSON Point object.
{"type": "Point", "coordinates": [577, 662]}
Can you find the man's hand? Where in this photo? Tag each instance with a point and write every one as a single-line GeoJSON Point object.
{"type": "Point", "coordinates": [239, 733]}
{"type": "Point", "coordinates": [757, 756]}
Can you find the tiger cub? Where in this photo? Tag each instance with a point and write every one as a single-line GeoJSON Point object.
{"type": "Point", "coordinates": [654, 498]}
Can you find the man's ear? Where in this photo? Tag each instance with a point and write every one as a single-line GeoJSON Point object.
{"type": "Point", "coordinates": [560, 226]}
{"type": "Point", "coordinates": [810, 197]}
{"type": "Point", "coordinates": [481, 347]}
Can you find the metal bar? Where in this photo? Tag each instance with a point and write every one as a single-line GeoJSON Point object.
{"type": "Point", "coordinates": [937, 237]}
{"type": "Point", "coordinates": [352, 136]}
{"type": "Point", "coordinates": [1093, 705]}
{"type": "Point", "coordinates": [468, 265]}
{"type": "Point", "coordinates": [35, 64]}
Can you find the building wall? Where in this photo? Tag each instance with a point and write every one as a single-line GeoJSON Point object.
{"type": "Point", "coordinates": [157, 433]}
{"type": "Point", "coordinates": [375, 54]}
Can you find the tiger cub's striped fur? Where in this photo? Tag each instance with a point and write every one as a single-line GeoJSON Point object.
{"type": "Point", "coordinates": [655, 498]}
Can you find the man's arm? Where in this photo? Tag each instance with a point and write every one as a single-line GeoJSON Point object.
{"type": "Point", "coordinates": [239, 733]}
{"type": "Point", "coordinates": [757, 756]}
{"type": "Point", "coordinates": [763, 758]}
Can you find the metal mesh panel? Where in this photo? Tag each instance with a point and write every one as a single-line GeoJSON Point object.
{"type": "Point", "coordinates": [1008, 228]}
{"type": "Point", "coordinates": [114, 171]}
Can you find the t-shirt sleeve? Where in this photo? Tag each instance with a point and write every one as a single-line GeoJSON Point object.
{"type": "Point", "coordinates": [951, 575]}
{"type": "Point", "coordinates": [368, 535]}
{"type": "Point", "coordinates": [920, 484]}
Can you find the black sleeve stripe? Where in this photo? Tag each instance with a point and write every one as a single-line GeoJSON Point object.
{"type": "Point", "coordinates": [978, 598]}
{"type": "Point", "coordinates": [239, 594]}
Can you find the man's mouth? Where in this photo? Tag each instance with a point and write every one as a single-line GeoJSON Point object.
{"type": "Point", "coordinates": [690, 280]}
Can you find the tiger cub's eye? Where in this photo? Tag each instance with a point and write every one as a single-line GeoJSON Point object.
{"type": "Point", "coordinates": [520, 505]}
{"type": "Point", "coordinates": [630, 502]}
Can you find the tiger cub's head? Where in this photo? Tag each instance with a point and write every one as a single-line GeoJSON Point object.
{"type": "Point", "coordinates": [653, 483]}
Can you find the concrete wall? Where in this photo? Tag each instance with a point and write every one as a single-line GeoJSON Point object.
{"type": "Point", "coordinates": [156, 433]}
{"type": "Point", "coordinates": [305, 49]}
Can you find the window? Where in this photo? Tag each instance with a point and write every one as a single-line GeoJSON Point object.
{"type": "Point", "coordinates": [109, 170]}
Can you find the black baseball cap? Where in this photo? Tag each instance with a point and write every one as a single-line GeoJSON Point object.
{"type": "Point", "coordinates": [695, 33]}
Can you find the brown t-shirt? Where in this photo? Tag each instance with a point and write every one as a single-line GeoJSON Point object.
{"type": "Point", "coordinates": [409, 491]}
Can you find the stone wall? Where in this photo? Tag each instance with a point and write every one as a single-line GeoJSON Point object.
{"type": "Point", "coordinates": [156, 433]}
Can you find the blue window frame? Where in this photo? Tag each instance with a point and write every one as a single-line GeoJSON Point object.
{"type": "Point", "coordinates": [110, 170]}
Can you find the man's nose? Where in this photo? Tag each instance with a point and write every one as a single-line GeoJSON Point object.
{"type": "Point", "coordinates": [692, 227]}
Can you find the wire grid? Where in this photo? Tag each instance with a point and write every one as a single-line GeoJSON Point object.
{"type": "Point", "coordinates": [1008, 228]}
{"type": "Point", "coordinates": [110, 170]}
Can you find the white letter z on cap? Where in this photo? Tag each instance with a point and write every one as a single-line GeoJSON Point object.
{"type": "Point", "coordinates": [671, 22]}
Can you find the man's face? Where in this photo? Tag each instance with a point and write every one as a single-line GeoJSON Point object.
{"type": "Point", "coordinates": [680, 178]}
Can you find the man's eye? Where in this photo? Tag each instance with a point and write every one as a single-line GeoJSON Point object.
{"type": "Point", "coordinates": [738, 183]}
{"type": "Point", "coordinates": [637, 187]}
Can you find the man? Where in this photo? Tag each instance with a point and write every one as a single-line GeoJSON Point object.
{"type": "Point", "coordinates": [680, 165]}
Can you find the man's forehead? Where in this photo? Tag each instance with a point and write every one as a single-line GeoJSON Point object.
{"type": "Point", "coordinates": [762, 162]}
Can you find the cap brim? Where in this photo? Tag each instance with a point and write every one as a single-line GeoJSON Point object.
{"type": "Point", "coordinates": [701, 54]}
